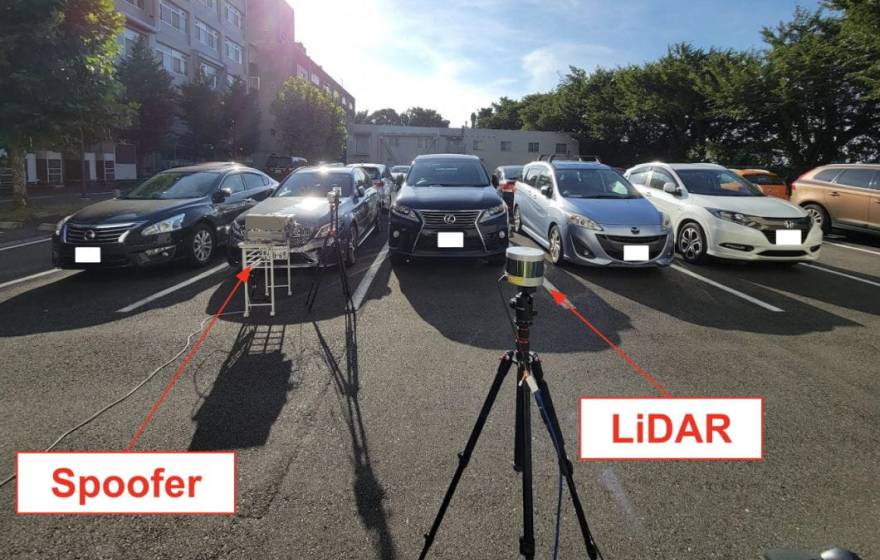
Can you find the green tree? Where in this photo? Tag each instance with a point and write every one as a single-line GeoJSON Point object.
{"type": "Point", "coordinates": [362, 117]}
{"type": "Point", "coordinates": [241, 111]}
{"type": "Point", "coordinates": [58, 86]}
{"type": "Point", "coordinates": [311, 123]}
{"type": "Point", "coordinates": [860, 25]}
{"type": "Point", "coordinates": [503, 114]}
{"type": "Point", "coordinates": [149, 89]}
{"type": "Point", "coordinates": [385, 116]}
{"type": "Point", "coordinates": [419, 116]}
{"type": "Point", "coordinates": [201, 109]}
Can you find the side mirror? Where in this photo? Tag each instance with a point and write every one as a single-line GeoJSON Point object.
{"type": "Point", "coordinates": [495, 181]}
{"type": "Point", "coordinates": [671, 188]}
{"type": "Point", "coordinates": [547, 190]}
{"type": "Point", "coordinates": [221, 195]}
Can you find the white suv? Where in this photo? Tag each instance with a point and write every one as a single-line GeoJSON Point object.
{"type": "Point", "coordinates": [716, 212]}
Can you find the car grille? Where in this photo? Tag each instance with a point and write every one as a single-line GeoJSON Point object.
{"type": "Point", "coordinates": [95, 234]}
{"type": "Point", "coordinates": [301, 235]}
{"type": "Point", "coordinates": [437, 219]}
{"type": "Point", "coordinates": [613, 244]}
{"type": "Point", "coordinates": [768, 226]}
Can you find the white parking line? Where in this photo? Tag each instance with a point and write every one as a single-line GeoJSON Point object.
{"type": "Point", "coordinates": [852, 248]}
{"type": "Point", "coordinates": [367, 280]}
{"type": "Point", "coordinates": [850, 276]}
{"type": "Point", "coordinates": [727, 289]}
{"type": "Point", "coordinates": [31, 277]}
{"type": "Point", "coordinates": [172, 289]}
{"type": "Point", "coordinates": [25, 244]}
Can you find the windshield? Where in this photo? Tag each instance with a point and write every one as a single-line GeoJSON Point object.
{"type": "Point", "coordinates": [447, 173]}
{"type": "Point", "coordinates": [765, 179]}
{"type": "Point", "coordinates": [400, 169]}
{"type": "Point", "coordinates": [172, 184]}
{"type": "Point", "coordinates": [372, 172]}
{"type": "Point", "coordinates": [512, 172]}
{"type": "Point", "coordinates": [315, 183]}
{"type": "Point", "coordinates": [594, 183]}
{"type": "Point", "coordinates": [716, 182]}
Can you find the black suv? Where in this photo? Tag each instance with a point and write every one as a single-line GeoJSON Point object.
{"type": "Point", "coordinates": [448, 207]}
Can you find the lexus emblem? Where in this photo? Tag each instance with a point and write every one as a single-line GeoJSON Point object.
{"type": "Point", "coordinates": [449, 219]}
{"type": "Point", "coordinates": [89, 234]}
{"type": "Point", "coordinates": [635, 230]}
{"type": "Point", "coordinates": [789, 224]}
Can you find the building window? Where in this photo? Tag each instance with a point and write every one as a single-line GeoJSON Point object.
{"type": "Point", "coordinates": [561, 148]}
{"type": "Point", "coordinates": [130, 37]}
{"type": "Point", "coordinates": [505, 146]}
{"type": "Point", "coordinates": [394, 142]}
{"type": "Point", "coordinates": [534, 147]}
{"type": "Point", "coordinates": [233, 15]}
{"type": "Point", "coordinates": [209, 73]}
{"type": "Point", "coordinates": [316, 80]}
{"type": "Point", "coordinates": [302, 72]}
{"type": "Point", "coordinates": [208, 3]}
{"type": "Point", "coordinates": [207, 35]}
{"type": "Point", "coordinates": [172, 16]}
{"type": "Point", "coordinates": [230, 79]}
{"type": "Point", "coordinates": [476, 145]}
{"type": "Point", "coordinates": [138, 3]}
{"type": "Point", "coordinates": [173, 60]}
{"type": "Point", "coordinates": [109, 170]}
{"type": "Point", "coordinates": [53, 171]}
{"type": "Point", "coordinates": [234, 51]}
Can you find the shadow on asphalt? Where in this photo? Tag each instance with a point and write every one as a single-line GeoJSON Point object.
{"type": "Point", "coordinates": [248, 394]}
{"type": "Point", "coordinates": [367, 488]}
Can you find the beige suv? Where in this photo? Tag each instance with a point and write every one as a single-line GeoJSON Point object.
{"type": "Point", "coordinates": [845, 196]}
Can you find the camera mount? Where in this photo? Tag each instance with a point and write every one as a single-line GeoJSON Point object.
{"type": "Point", "coordinates": [334, 197]}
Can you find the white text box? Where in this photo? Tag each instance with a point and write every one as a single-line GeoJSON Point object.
{"type": "Point", "coordinates": [450, 239]}
{"type": "Point", "coordinates": [788, 237]}
{"type": "Point", "coordinates": [635, 253]}
{"type": "Point", "coordinates": [87, 254]}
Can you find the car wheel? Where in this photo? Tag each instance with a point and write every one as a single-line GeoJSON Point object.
{"type": "Point", "coordinates": [556, 250]}
{"type": "Point", "coordinates": [692, 243]}
{"type": "Point", "coordinates": [517, 220]}
{"type": "Point", "coordinates": [820, 216]}
{"type": "Point", "coordinates": [200, 245]}
{"type": "Point", "coordinates": [351, 246]}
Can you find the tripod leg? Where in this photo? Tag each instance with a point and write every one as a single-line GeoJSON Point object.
{"type": "Point", "coordinates": [562, 457]}
{"type": "Point", "coordinates": [524, 436]}
{"type": "Point", "coordinates": [465, 456]}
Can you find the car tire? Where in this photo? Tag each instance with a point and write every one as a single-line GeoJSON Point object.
{"type": "Point", "coordinates": [351, 246]}
{"type": "Point", "coordinates": [555, 248]}
{"type": "Point", "coordinates": [517, 220]}
{"type": "Point", "coordinates": [820, 216]}
{"type": "Point", "coordinates": [691, 243]}
{"type": "Point", "coordinates": [200, 245]}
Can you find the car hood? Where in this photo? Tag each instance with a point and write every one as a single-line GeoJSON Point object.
{"type": "Point", "coordinates": [304, 209]}
{"type": "Point", "coordinates": [122, 210]}
{"type": "Point", "coordinates": [448, 198]}
{"type": "Point", "coordinates": [624, 212]}
{"type": "Point", "coordinates": [763, 206]}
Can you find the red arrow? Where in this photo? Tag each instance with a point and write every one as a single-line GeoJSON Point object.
{"type": "Point", "coordinates": [242, 279]}
{"type": "Point", "coordinates": [562, 300]}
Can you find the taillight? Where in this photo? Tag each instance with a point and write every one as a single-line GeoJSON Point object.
{"type": "Point", "coordinates": [509, 186]}
{"type": "Point", "coordinates": [378, 183]}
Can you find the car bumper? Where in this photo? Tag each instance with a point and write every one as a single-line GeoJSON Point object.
{"type": "Point", "coordinates": [606, 248]}
{"type": "Point", "coordinates": [727, 240]}
{"type": "Point", "coordinates": [409, 238]}
{"type": "Point", "coordinates": [305, 256]}
{"type": "Point", "coordinates": [161, 249]}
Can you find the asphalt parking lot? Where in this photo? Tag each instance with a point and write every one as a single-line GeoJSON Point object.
{"type": "Point", "coordinates": [348, 456]}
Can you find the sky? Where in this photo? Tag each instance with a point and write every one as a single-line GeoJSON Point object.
{"type": "Point", "coordinates": [456, 56]}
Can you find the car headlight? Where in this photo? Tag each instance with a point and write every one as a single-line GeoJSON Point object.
{"type": "Point", "coordinates": [583, 222]}
{"type": "Point", "coordinates": [404, 212]}
{"type": "Point", "coordinates": [667, 221]}
{"type": "Point", "coordinates": [735, 217]}
{"type": "Point", "coordinates": [323, 231]}
{"type": "Point", "coordinates": [167, 225]}
{"type": "Point", "coordinates": [494, 212]}
{"type": "Point", "coordinates": [60, 225]}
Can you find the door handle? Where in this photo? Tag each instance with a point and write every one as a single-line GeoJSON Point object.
{"type": "Point", "coordinates": [835, 194]}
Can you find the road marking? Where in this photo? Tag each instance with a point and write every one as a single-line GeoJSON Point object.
{"type": "Point", "coordinates": [31, 277]}
{"type": "Point", "coordinates": [172, 289]}
{"type": "Point", "coordinates": [850, 276]}
{"type": "Point", "coordinates": [25, 244]}
{"type": "Point", "coordinates": [852, 248]}
{"type": "Point", "coordinates": [727, 289]}
{"type": "Point", "coordinates": [368, 278]}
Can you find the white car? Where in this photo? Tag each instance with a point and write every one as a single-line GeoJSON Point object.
{"type": "Point", "coordinates": [716, 212]}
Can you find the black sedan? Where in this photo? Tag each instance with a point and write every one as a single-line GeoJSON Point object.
{"type": "Point", "coordinates": [179, 214]}
{"type": "Point", "coordinates": [448, 207]}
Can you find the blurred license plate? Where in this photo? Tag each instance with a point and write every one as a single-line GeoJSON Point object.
{"type": "Point", "coordinates": [788, 237]}
{"type": "Point", "coordinates": [635, 253]}
{"type": "Point", "coordinates": [87, 255]}
{"type": "Point", "coordinates": [450, 239]}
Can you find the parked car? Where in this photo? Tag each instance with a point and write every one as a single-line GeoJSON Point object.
{"type": "Point", "coordinates": [845, 196]}
{"type": "Point", "coordinates": [398, 172]}
{"type": "Point", "coordinates": [507, 176]}
{"type": "Point", "coordinates": [182, 213]}
{"type": "Point", "coordinates": [382, 181]}
{"type": "Point", "coordinates": [715, 212]}
{"type": "Point", "coordinates": [448, 207]}
{"type": "Point", "coordinates": [769, 183]}
{"type": "Point", "coordinates": [303, 195]}
{"type": "Point", "coordinates": [587, 213]}
{"type": "Point", "coordinates": [279, 167]}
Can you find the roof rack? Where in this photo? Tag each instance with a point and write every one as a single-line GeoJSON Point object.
{"type": "Point", "coordinates": [550, 158]}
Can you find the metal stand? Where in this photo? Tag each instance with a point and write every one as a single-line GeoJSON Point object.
{"type": "Point", "coordinates": [530, 380]}
{"type": "Point", "coordinates": [334, 237]}
{"type": "Point", "coordinates": [265, 257]}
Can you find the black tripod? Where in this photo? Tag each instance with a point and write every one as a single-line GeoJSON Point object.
{"type": "Point", "coordinates": [527, 365]}
{"type": "Point", "coordinates": [338, 252]}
